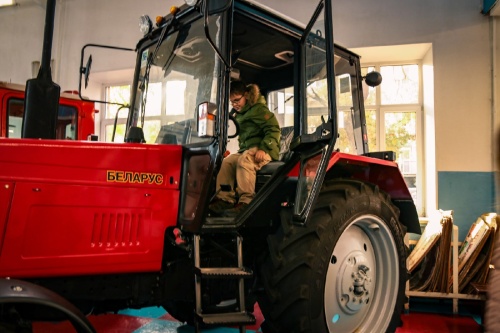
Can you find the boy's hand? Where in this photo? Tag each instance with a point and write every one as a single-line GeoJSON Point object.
{"type": "Point", "coordinates": [260, 156]}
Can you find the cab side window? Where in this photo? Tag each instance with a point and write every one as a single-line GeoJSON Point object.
{"type": "Point", "coordinates": [66, 123]}
{"type": "Point", "coordinates": [66, 127]}
{"type": "Point", "coordinates": [15, 112]}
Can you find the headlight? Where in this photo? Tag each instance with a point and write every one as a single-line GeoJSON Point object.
{"type": "Point", "coordinates": [191, 2]}
{"type": "Point", "coordinates": [145, 24]}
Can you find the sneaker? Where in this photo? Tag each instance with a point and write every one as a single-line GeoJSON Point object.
{"type": "Point", "coordinates": [238, 208]}
{"type": "Point", "coordinates": [219, 206]}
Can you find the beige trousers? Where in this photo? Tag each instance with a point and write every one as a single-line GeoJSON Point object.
{"type": "Point", "coordinates": [239, 171]}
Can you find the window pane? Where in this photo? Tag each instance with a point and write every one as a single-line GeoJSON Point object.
{"type": "Point", "coordinates": [280, 102]}
{"type": "Point", "coordinates": [401, 137]}
{"type": "Point", "coordinates": [351, 138]}
{"type": "Point", "coordinates": [344, 90]}
{"type": "Point", "coordinates": [317, 85]}
{"type": "Point", "coordinates": [117, 94]}
{"type": "Point", "coordinates": [399, 84]}
{"type": "Point", "coordinates": [175, 97]}
{"type": "Point", "coordinates": [185, 73]}
{"type": "Point", "coordinates": [151, 129]}
{"type": "Point", "coordinates": [119, 135]}
{"type": "Point", "coordinates": [345, 142]}
{"type": "Point", "coordinates": [371, 128]}
{"type": "Point", "coordinates": [66, 123]}
{"type": "Point", "coordinates": [317, 104]}
{"type": "Point", "coordinates": [15, 119]}
{"type": "Point", "coordinates": [66, 126]}
{"type": "Point", "coordinates": [153, 106]}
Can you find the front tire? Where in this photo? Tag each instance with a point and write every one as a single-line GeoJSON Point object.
{"type": "Point", "coordinates": [344, 271]}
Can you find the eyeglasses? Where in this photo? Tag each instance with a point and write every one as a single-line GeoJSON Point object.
{"type": "Point", "coordinates": [236, 100]}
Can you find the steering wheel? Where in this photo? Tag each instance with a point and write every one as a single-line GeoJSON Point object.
{"type": "Point", "coordinates": [236, 127]}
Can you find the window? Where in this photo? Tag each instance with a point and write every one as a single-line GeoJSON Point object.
{"type": "Point", "coordinates": [67, 123]}
{"type": "Point", "coordinates": [165, 103]}
{"type": "Point", "coordinates": [66, 126]}
{"type": "Point", "coordinates": [115, 94]}
{"type": "Point", "coordinates": [15, 117]}
{"type": "Point", "coordinates": [393, 120]}
{"type": "Point", "coordinates": [280, 102]}
{"type": "Point", "coordinates": [121, 94]}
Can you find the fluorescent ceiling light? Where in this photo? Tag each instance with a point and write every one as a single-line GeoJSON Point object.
{"type": "Point", "coordinates": [7, 3]}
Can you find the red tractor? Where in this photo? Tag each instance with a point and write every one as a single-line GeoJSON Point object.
{"type": "Point", "coordinates": [113, 226]}
{"type": "Point", "coordinates": [75, 117]}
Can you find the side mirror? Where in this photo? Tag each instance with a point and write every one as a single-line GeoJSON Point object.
{"type": "Point", "coordinates": [373, 79]}
{"type": "Point", "coordinates": [113, 51]}
{"type": "Point", "coordinates": [206, 119]}
{"type": "Point", "coordinates": [86, 71]}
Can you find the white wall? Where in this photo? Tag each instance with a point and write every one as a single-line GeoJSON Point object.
{"type": "Point", "coordinates": [429, 125]}
{"type": "Point", "coordinates": [109, 22]}
{"type": "Point", "coordinates": [21, 39]}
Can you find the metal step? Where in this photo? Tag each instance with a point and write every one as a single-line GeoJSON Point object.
{"type": "Point", "coordinates": [224, 272]}
{"type": "Point", "coordinates": [241, 317]}
{"type": "Point", "coordinates": [231, 318]}
{"type": "Point", "coordinates": [219, 224]}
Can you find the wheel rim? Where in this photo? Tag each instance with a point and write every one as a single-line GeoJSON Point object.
{"type": "Point", "coordinates": [362, 280]}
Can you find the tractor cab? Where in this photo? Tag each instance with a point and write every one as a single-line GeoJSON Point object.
{"type": "Point", "coordinates": [183, 71]}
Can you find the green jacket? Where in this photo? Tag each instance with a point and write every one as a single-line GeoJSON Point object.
{"type": "Point", "coordinates": [259, 128]}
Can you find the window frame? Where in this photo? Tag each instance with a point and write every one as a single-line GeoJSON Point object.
{"type": "Point", "coordinates": [381, 111]}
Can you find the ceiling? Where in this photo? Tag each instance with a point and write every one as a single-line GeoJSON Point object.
{"type": "Point", "coordinates": [397, 53]}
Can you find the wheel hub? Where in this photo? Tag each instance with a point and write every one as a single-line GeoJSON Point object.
{"type": "Point", "coordinates": [362, 284]}
{"type": "Point", "coordinates": [355, 283]}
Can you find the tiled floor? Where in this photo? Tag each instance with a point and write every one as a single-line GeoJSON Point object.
{"type": "Point", "coordinates": [156, 320]}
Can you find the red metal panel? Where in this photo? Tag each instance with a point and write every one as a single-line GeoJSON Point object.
{"type": "Point", "coordinates": [68, 216]}
{"type": "Point", "coordinates": [385, 174]}
{"type": "Point", "coordinates": [87, 162]}
{"type": "Point", "coordinates": [6, 190]}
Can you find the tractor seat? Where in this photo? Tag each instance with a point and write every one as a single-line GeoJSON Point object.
{"type": "Point", "coordinates": [265, 173]}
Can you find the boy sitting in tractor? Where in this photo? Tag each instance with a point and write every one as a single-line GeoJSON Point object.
{"type": "Point", "coordinates": [259, 143]}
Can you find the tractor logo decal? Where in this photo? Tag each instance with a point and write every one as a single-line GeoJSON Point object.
{"type": "Point", "coordinates": [134, 177]}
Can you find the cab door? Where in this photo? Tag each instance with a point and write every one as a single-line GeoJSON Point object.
{"type": "Point", "coordinates": [317, 85]}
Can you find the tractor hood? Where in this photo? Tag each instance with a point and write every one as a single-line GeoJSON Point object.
{"type": "Point", "coordinates": [66, 206]}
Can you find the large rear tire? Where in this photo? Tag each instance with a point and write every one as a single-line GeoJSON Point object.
{"type": "Point", "coordinates": [345, 271]}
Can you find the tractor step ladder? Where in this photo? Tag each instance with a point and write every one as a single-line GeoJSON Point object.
{"type": "Point", "coordinates": [240, 316]}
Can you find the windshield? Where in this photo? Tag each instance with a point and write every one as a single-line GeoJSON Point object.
{"type": "Point", "coordinates": [175, 76]}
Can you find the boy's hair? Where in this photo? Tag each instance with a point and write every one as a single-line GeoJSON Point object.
{"type": "Point", "coordinates": [240, 88]}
